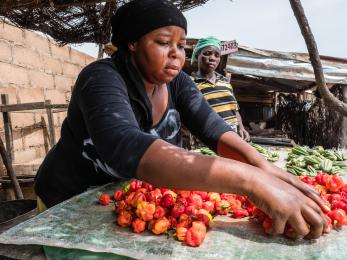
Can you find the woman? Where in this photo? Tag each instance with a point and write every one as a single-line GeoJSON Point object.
{"type": "Point", "coordinates": [124, 120]}
{"type": "Point", "coordinates": [216, 89]}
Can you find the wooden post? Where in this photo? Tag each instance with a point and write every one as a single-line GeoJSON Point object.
{"type": "Point", "coordinates": [312, 48]}
{"type": "Point", "coordinates": [276, 102]}
{"type": "Point", "coordinates": [10, 172]}
{"type": "Point", "coordinates": [2, 173]}
{"type": "Point", "coordinates": [222, 64]}
{"type": "Point", "coordinates": [46, 138]}
{"type": "Point", "coordinates": [8, 129]}
{"type": "Point", "coordinates": [50, 122]}
{"type": "Point", "coordinates": [344, 120]}
{"type": "Point", "coordinates": [101, 51]}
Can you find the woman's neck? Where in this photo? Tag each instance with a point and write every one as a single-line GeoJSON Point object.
{"type": "Point", "coordinates": [151, 89]}
{"type": "Point", "coordinates": [210, 76]}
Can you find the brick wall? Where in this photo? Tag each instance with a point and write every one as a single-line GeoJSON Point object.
{"type": "Point", "coordinates": [33, 69]}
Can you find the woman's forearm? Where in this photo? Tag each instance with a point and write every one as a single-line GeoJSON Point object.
{"type": "Point", "coordinates": [169, 166]}
{"type": "Point", "coordinates": [231, 146]}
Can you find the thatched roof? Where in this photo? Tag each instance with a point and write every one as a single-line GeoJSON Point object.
{"type": "Point", "coordinates": [70, 21]}
{"type": "Point", "coordinates": [31, 4]}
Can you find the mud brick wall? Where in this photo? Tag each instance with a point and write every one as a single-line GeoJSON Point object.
{"type": "Point", "coordinates": [33, 69]}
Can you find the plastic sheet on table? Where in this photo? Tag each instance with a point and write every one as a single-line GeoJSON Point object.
{"type": "Point", "coordinates": [81, 224]}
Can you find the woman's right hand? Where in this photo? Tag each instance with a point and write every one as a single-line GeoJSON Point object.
{"type": "Point", "coordinates": [285, 204]}
{"type": "Point", "coordinates": [296, 182]}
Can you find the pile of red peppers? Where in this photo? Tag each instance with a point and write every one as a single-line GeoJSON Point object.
{"type": "Point", "coordinates": [141, 206]}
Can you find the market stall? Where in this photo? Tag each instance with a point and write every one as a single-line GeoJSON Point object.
{"type": "Point", "coordinates": [84, 226]}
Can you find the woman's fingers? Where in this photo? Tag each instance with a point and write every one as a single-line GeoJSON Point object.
{"type": "Point", "coordinates": [292, 203]}
{"type": "Point", "coordinates": [310, 223]}
{"type": "Point", "coordinates": [299, 225]}
{"type": "Point", "coordinates": [290, 233]}
{"type": "Point", "coordinates": [318, 210]}
{"type": "Point", "coordinates": [315, 207]}
{"type": "Point", "coordinates": [278, 226]}
{"type": "Point", "coordinates": [316, 221]}
{"type": "Point", "coordinates": [309, 192]}
{"type": "Point", "coordinates": [317, 199]}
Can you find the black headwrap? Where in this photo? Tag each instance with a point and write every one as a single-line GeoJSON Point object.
{"type": "Point", "coordinates": [139, 17]}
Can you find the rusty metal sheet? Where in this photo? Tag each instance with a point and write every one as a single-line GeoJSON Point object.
{"type": "Point", "coordinates": [291, 66]}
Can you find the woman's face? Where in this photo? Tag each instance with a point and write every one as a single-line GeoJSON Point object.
{"type": "Point", "coordinates": [160, 55]}
{"type": "Point", "coordinates": [208, 59]}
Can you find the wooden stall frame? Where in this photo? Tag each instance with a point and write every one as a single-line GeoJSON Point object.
{"type": "Point", "coordinates": [7, 153]}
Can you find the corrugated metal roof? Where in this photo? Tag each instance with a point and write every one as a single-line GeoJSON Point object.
{"type": "Point", "coordinates": [284, 66]}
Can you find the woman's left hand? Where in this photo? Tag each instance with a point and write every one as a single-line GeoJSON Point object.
{"type": "Point", "coordinates": [244, 134]}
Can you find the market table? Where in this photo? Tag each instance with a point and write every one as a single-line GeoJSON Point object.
{"type": "Point", "coordinates": [81, 229]}
{"type": "Point", "coordinates": [81, 224]}
{"type": "Point", "coordinates": [32, 252]}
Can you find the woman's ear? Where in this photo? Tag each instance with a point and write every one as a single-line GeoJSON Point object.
{"type": "Point", "coordinates": [132, 46]}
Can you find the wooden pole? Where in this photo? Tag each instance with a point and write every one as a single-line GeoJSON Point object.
{"type": "Point", "coordinates": [344, 120]}
{"type": "Point", "coordinates": [2, 172]}
{"type": "Point", "coordinates": [46, 137]}
{"type": "Point", "coordinates": [50, 122]}
{"type": "Point", "coordinates": [10, 172]}
{"type": "Point", "coordinates": [101, 51]}
{"type": "Point", "coordinates": [8, 128]}
{"type": "Point", "coordinates": [306, 32]}
{"type": "Point", "coordinates": [344, 93]}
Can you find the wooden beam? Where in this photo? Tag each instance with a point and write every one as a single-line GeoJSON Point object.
{"type": "Point", "coordinates": [32, 4]}
{"type": "Point", "coordinates": [273, 141]}
{"type": "Point", "coordinates": [56, 106]}
{"type": "Point", "coordinates": [264, 84]}
{"type": "Point", "coordinates": [7, 181]}
{"type": "Point", "coordinates": [30, 106]}
{"type": "Point", "coordinates": [314, 87]}
{"type": "Point", "coordinates": [261, 100]}
{"type": "Point", "coordinates": [22, 107]}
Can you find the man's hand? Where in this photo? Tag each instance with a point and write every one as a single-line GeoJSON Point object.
{"type": "Point", "coordinates": [244, 134]}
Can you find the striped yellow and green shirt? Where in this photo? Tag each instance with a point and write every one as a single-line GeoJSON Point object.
{"type": "Point", "coordinates": [220, 96]}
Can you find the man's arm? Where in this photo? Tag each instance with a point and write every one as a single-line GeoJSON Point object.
{"type": "Point", "coordinates": [243, 132]}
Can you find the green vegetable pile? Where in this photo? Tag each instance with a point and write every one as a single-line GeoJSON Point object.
{"type": "Point", "coordinates": [304, 161]}
{"type": "Point", "coordinates": [269, 155]}
{"type": "Point", "coordinates": [205, 151]}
